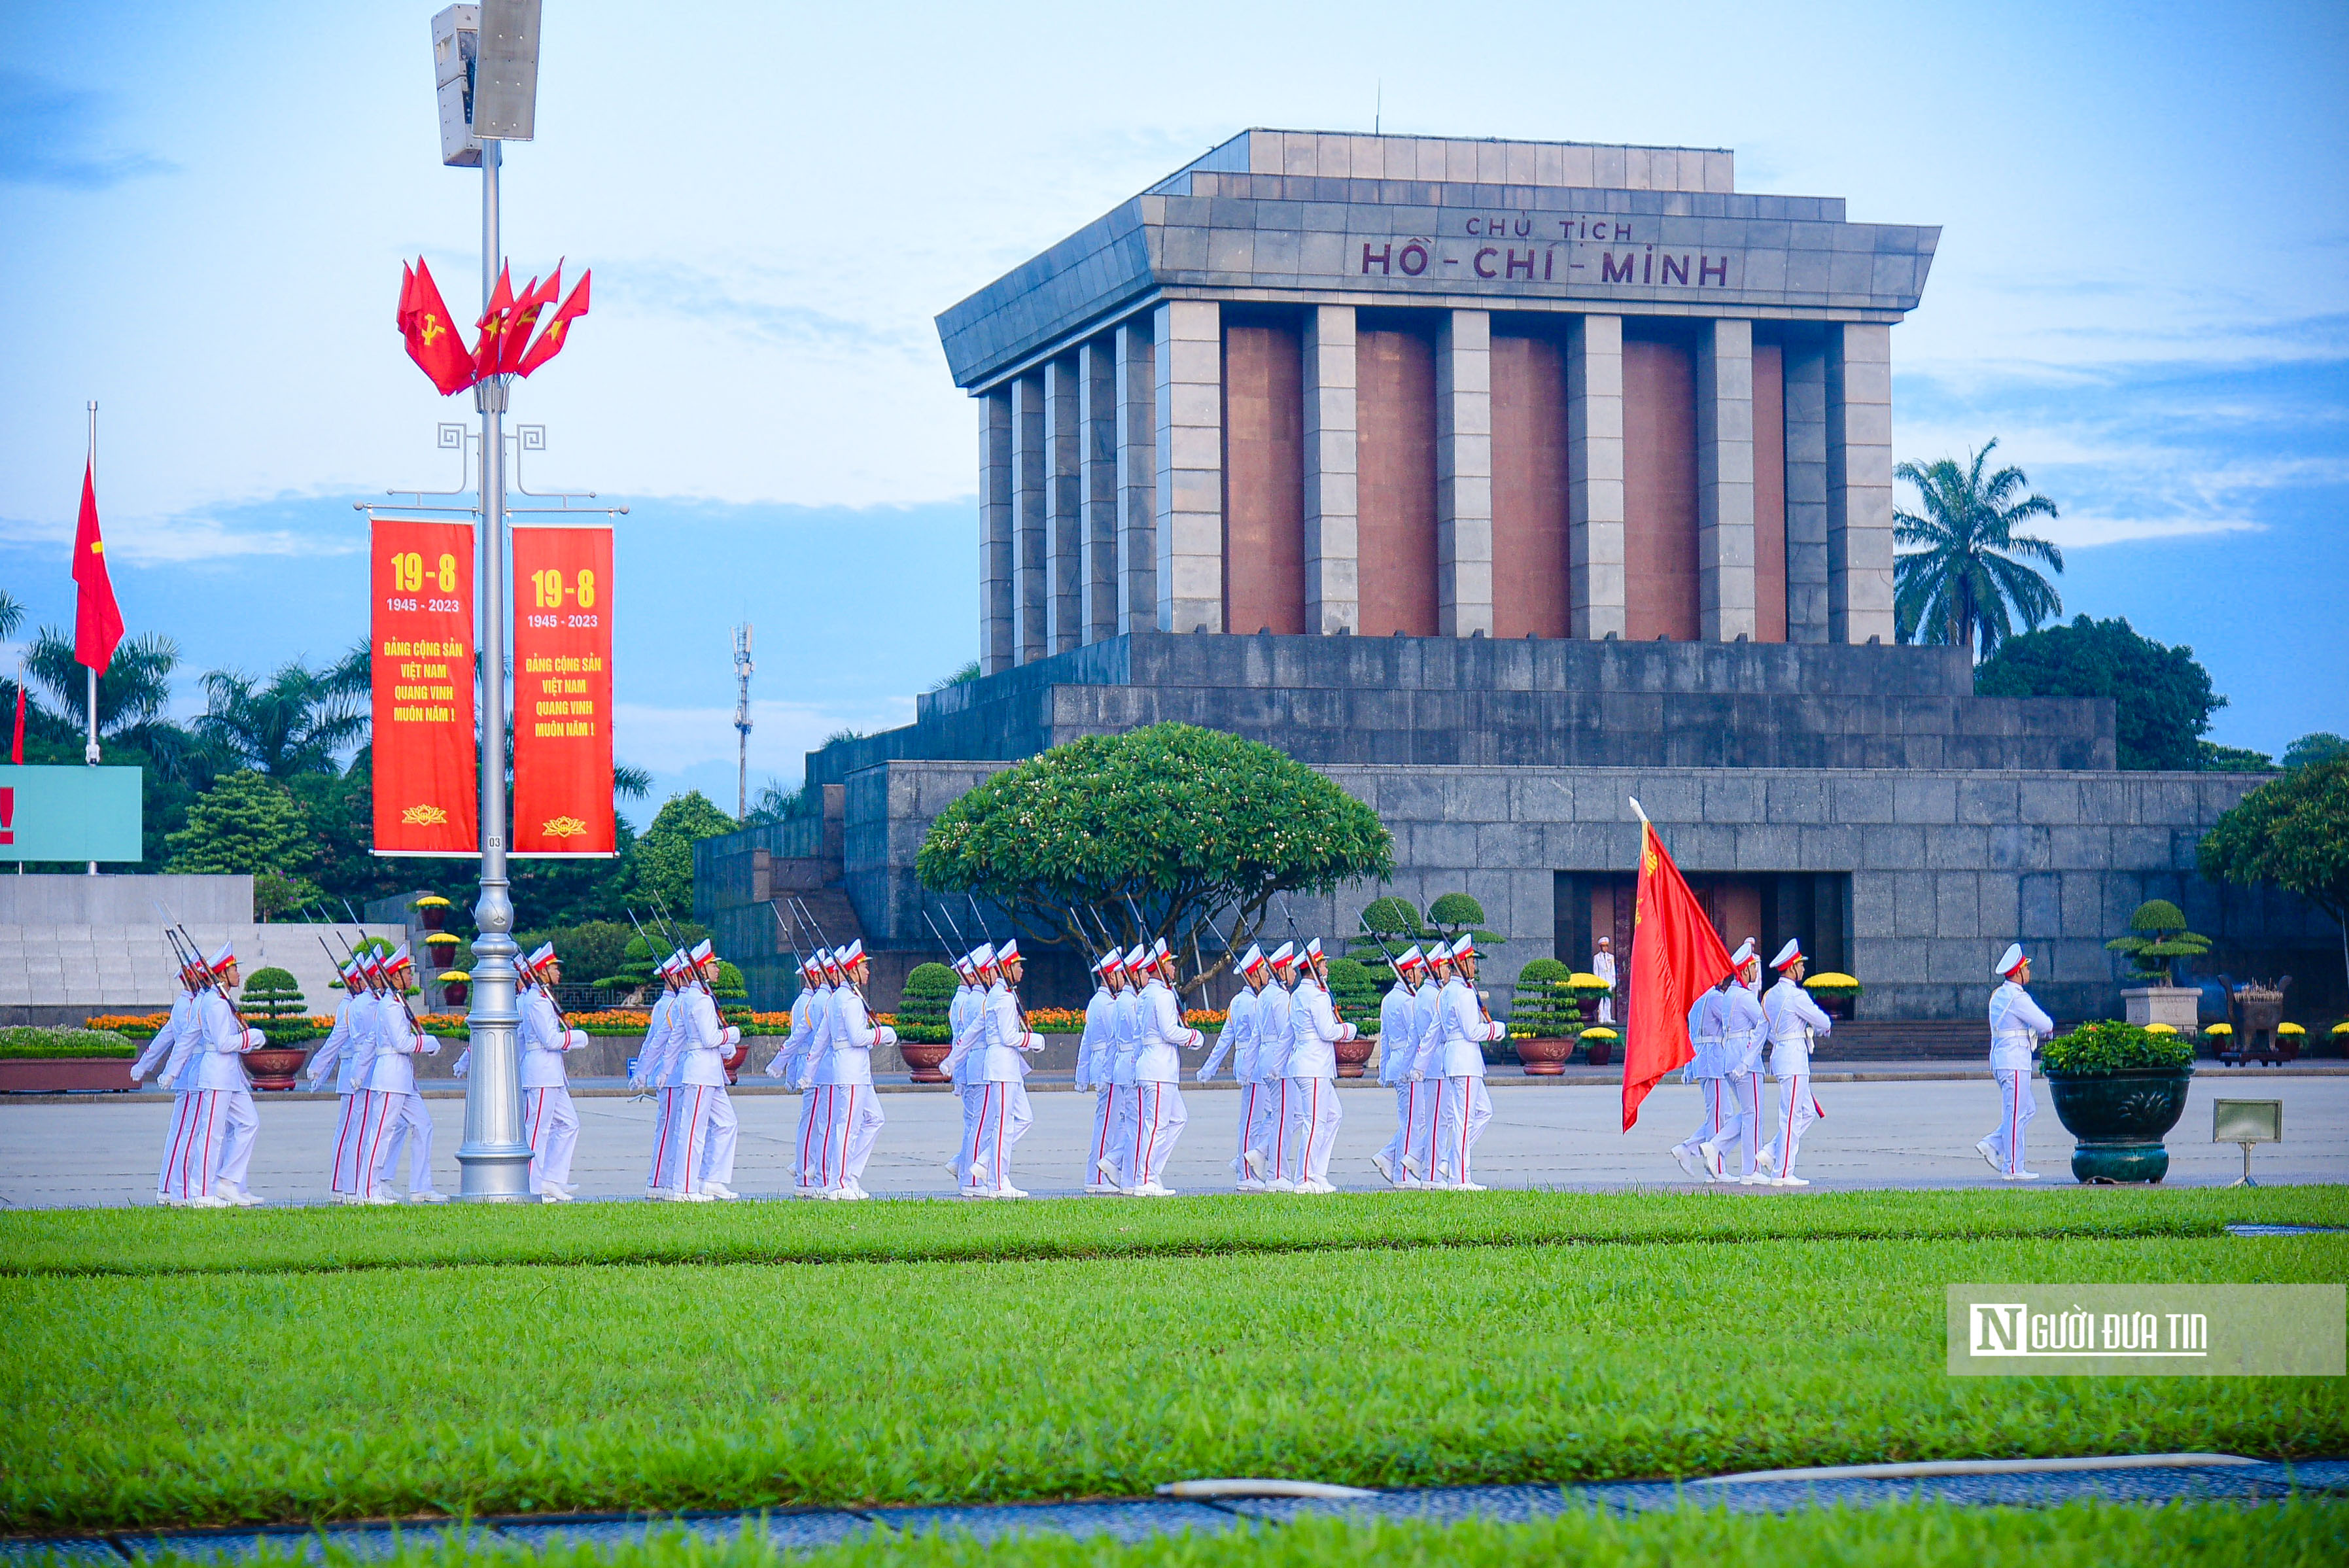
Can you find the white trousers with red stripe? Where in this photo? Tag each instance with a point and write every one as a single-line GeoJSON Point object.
{"type": "Point", "coordinates": [1253, 1095]}
{"type": "Point", "coordinates": [1741, 1124]}
{"type": "Point", "coordinates": [348, 1144]}
{"type": "Point", "coordinates": [212, 1142]}
{"type": "Point", "coordinates": [969, 1173]}
{"type": "Point", "coordinates": [663, 1129]}
{"type": "Point", "coordinates": [1103, 1143]}
{"type": "Point", "coordinates": [701, 1143]}
{"type": "Point", "coordinates": [1159, 1119]}
{"type": "Point", "coordinates": [1720, 1111]}
{"type": "Point", "coordinates": [1268, 1132]}
{"type": "Point", "coordinates": [803, 1153]}
{"type": "Point", "coordinates": [398, 1118]}
{"type": "Point", "coordinates": [1406, 1104]}
{"type": "Point", "coordinates": [551, 1126]}
{"type": "Point", "coordinates": [1313, 1119]}
{"type": "Point", "coordinates": [2017, 1106]}
{"type": "Point", "coordinates": [1796, 1112]}
{"type": "Point", "coordinates": [1004, 1119]}
{"type": "Point", "coordinates": [1457, 1120]}
{"type": "Point", "coordinates": [167, 1176]}
{"type": "Point", "coordinates": [851, 1124]}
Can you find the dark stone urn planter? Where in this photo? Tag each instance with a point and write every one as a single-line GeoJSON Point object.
{"type": "Point", "coordinates": [922, 1059]}
{"type": "Point", "coordinates": [1598, 1052]}
{"type": "Point", "coordinates": [2120, 1120]}
{"type": "Point", "coordinates": [1544, 1058]}
{"type": "Point", "coordinates": [275, 1066]}
{"type": "Point", "coordinates": [1352, 1054]}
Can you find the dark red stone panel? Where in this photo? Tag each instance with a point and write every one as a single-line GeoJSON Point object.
{"type": "Point", "coordinates": [1529, 514]}
{"type": "Point", "coordinates": [1264, 476]}
{"type": "Point", "coordinates": [1769, 493]}
{"type": "Point", "coordinates": [1659, 559]}
{"type": "Point", "coordinates": [1395, 415]}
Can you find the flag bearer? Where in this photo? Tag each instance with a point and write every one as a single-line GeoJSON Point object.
{"type": "Point", "coordinates": [164, 1059]}
{"type": "Point", "coordinates": [1315, 1030]}
{"type": "Point", "coordinates": [1743, 1030]}
{"type": "Point", "coordinates": [222, 1123]}
{"type": "Point", "coordinates": [965, 1064]}
{"type": "Point", "coordinates": [1794, 1021]}
{"type": "Point", "coordinates": [549, 1121]}
{"type": "Point", "coordinates": [1267, 1148]}
{"type": "Point", "coordinates": [1708, 1023]}
{"type": "Point", "coordinates": [702, 1142]}
{"type": "Point", "coordinates": [855, 1111]}
{"type": "Point", "coordinates": [2017, 1025]}
{"type": "Point", "coordinates": [1398, 1043]}
{"type": "Point", "coordinates": [1007, 1042]}
{"type": "Point", "coordinates": [343, 1054]}
{"type": "Point", "coordinates": [1158, 1114]}
{"type": "Point", "coordinates": [1238, 1040]}
{"type": "Point", "coordinates": [1463, 1107]}
{"type": "Point", "coordinates": [1116, 1166]}
{"type": "Point", "coordinates": [1096, 1052]}
{"type": "Point", "coordinates": [654, 1060]}
{"type": "Point", "coordinates": [396, 1109]}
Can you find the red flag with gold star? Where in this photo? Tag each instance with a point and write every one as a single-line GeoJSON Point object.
{"type": "Point", "coordinates": [493, 325]}
{"type": "Point", "coordinates": [432, 339]}
{"type": "Point", "coordinates": [97, 619]}
{"type": "Point", "coordinates": [1675, 954]}
{"type": "Point", "coordinates": [550, 342]}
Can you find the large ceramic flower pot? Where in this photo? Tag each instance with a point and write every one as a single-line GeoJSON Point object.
{"type": "Point", "coordinates": [1598, 1052]}
{"type": "Point", "coordinates": [433, 915]}
{"type": "Point", "coordinates": [275, 1066]}
{"type": "Point", "coordinates": [1352, 1054]}
{"type": "Point", "coordinates": [1589, 1007]}
{"type": "Point", "coordinates": [455, 991]}
{"type": "Point", "coordinates": [732, 1061]}
{"type": "Point", "coordinates": [1544, 1058]}
{"type": "Point", "coordinates": [2120, 1120]}
{"type": "Point", "coordinates": [923, 1060]}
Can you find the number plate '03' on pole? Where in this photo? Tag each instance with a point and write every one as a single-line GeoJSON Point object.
{"type": "Point", "coordinates": [563, 692]}
{"type": "Point", "coordinates": [427, 801]}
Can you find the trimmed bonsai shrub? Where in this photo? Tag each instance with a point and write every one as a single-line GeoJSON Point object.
{"type": "Point", "coordinates": [272, 993]}
{"type": "Point", "coordinates": [1455, 915]}
{"type": "Point", "coordinates": [1355, 993]}
{"type": "Point", "coordinates": [922, 1013]}
{"type": "Point", "coordinates": [1545, 1009]}
{"type": "Point", "coordinates": [2107, 1046]}
{"type": "Point", "coordinates": [2157, 940]}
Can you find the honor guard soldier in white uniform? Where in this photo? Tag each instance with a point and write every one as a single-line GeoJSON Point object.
{"type": "Point", "coordinates": [222, 1125]}
{"type": "Point", "coordinates": [1463, 1107]}
{"type": "Point", "coordinates": [1742, 1033]}
{"type": "Point", "coordinates": [1794, 1021]}
{"type": "Point", "coordinates": [1007, 1041]}
{"type": "Point", "coordinates": [1398, 1043]}
{"type": "Point", "coordinates": [339, 1055]}
{"type": "Point", "coordinates": [651, 1074]}
{"type": "Point", "coordinates": [1602, 964]}
{"type": "Point", "coordinates": [701, 1144]}
{"type": "Point", "coordinates": [814, 1016]}
{"type": "Point", "coordinates": [966, 1060]}
{"type": "Point", "coordinates": [1711, 1021]}
{"type": "Point", "coordinates": [1425, 1066]}
{"type": "Point", "coordinates": [165, 1058]}
{"type": "Point", "coordinates": [395, 1107]}
{"type": "Point", "coordinates": [1238, 1041]}
{"type": "Point", "coordinates": [1096, 1052]}
{"type": "Point", "coordinates": [1159, 1117]}
{"type": "Point", "coordinates": [2017, 1025]}
{"type": "Point", "coordinates": [1314, 1032]}
{"type": "Point", "coordinates": [1116, 1166]}
{"type": "Point", "coordinates": [548, 1120]}
{"type": "Point", "coordinates": [1268, 1150]}
{"type": "Point", "coordinates": [855, 1116]}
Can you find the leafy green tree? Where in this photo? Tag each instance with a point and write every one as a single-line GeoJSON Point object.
{"type": "Point", "coordinates": [664, 858]}
{"type": "Point", "coordinates": [2214, 758]}
{"type": "Point", "coordinates": [1966, 583]}
{"type": "Point", "coordinates": [1190, 823]}
{"type": "Point", "coordinates": [246, 822]}
{"type": "Point", "coordinates": [2162, 699]}
{"type": "Point", "coordinates": [2157, 940]}
{"type": "Point", "coordinates": [12, 614]}
{"type": "Point", "coordinates": [2291, 831]}
{"type": "Point", "coordinates": [134, 689]}
{"type": "Point", "coordinates": [1388, 923]}
{"type": "Point", "coordinates": [2322, 746]}
{"type": "Point", "coordinates": [299, 720]}
{"type": "Point", "coordinates": [589, 950]}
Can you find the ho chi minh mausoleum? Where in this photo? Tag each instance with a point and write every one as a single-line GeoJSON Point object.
{"type": "Point", "coordinates": [1500, 481]}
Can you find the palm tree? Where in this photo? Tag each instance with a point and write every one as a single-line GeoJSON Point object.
{"type": "Point", "coordinates": [294, 723]}
{"type": "Point", "coordinates": [1958, 587]}
{"type": "Point", "coordinates": [133, 691]}
{"type": "Point", "coordinates": [12, 614]}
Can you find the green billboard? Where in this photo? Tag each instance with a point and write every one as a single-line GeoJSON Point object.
{"type": "Point", "coordinates": [69, 813]}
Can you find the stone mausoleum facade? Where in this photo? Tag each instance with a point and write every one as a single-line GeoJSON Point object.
{"type": "Point", "coordinates": [1501, 481]}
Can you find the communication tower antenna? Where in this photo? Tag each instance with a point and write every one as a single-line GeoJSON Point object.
{"type": "Point", "coordinates": [742, 667]}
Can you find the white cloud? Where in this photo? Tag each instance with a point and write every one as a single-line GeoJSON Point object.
{"type": "Point", "coordinates": [2078, 531]}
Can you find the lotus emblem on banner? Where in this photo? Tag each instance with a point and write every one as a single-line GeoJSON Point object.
{"type": "Point", "coordinates": [424, 817]}
{"type": "Point", "coordinates": [564, 827]}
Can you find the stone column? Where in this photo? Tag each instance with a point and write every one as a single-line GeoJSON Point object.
{"type": "Point", "coordinates": [1859, 482]}
{"type": "Point", "coordinates": [1807, 490]}
{"type": "Point", "coordinates": [1594, 475]}
{"type": "Point", "coordinates": [1189, 349]}
{"type": "Point", "coordinates": [1063, 507]}
{"type": "Point", "coordinates": [1097, 423]}
{"type": "Point", "coordinates": [995, 557]}
{"type": "Point", "coordinates": [1724, 481]}
{"type": "Point", "coordinates": [1030, 562]}
{"type": "Point", "coordinates": [1332, 566]}
{"type": "Point", "coordinates": [1137, 476]}
{"type": "Point", "coordinates": [1463, 474]}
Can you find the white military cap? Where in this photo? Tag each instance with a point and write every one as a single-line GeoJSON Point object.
{"type": "Point", "coordinates": [702, 951]}
{"type": "Point", "coordinates": [1138, 960]}
{"type": "Point", "coordinates": [983, 956]}
{"type": "Point", "coordinates": [1745, 952]}
{"type": "Point", "coordinates": [1004, 954]}
{"type": "Point", "coordinates": [1284, 955]}
{"type": "Point", "coordinates": [227, 956]}
{"type": "Point", "coordinates": [1106, 962]}
{"type": "Point", "coordinates": [1463, 947]}
{"type": "Point", "coordinates": [1439, 953]}
{"type": "Point", "coordinates": [852, 954]}
{"type": "Point", "coordinates": [398, 956]}
{"type": "Point", "coordinates": [1253, 960]}
{"type": "Point", "coordinates": [1788, 954]}
{"type": "Point", "coordinates": [1411, 959]}
{"type": "Point", "coordinates": [812, 966]}
{"type": "Point", "coordinates": [1313, 947]}
{"type": "Point", "coordinates": [2012, 959]}
{"type": "Point", "coordinates": [1158, 949]}
{"type": "Point", "coordinates": [537, 960]}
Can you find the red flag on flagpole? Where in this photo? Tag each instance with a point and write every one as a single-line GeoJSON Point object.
{"type": "Point", "coordinates": [97, 619]}
{"type": "Point", "coordinates": [1675, 954]}
{"type": "Point", "coordinates": [493, 325]}
{"type": "Point", "coordinates": [16, 746]}
{"type": "Point", "coordinates": [550, 342]}
{"type": "Point", "coordinates": [527, 307]}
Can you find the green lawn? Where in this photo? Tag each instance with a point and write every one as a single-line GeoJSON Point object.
{"type": "Point", "coordinates": [1227, 1342]}
{"type": "Point", "coordinates": [2076, 1536]}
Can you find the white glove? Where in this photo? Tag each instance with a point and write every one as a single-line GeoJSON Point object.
{"type": "Point", "coordinates": [884, 1035]}
{"type": "Point", "coordinates": [732, 1036]}
{"type": "Point", "coordinates": [1417, 1077]}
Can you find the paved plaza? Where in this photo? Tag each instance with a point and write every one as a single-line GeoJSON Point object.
{"type": "Point", "coordinates": [1909, 1133]}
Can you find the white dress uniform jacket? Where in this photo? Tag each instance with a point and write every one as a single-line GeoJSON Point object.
{"type": "Point", "coordinates": [1397, 1034]}
{"type": "Point", "coordinates": [1093, 1044]}
{"type": "Point", "coordinates": [219, 1063]}
{"type": "Point", "coordinates": [1314, 1031]}
{"type": "Point", "coordinates": [166, 1055]}
{"type": "Point", "coordinates": [2017, 1025]}
{"type": "Point", "coordinates": [853, 1036]}
{"type": "Point", "coordinates": [1237, 1040]}
{"type": "Point", "coordinates": [702, 1041]}
{"type": "Point", "coordinates": [1128, 1038]}
{"type": "Point", "coordinates": [334, 1053]}
{"type": "Point", "coordinates": [1793, 1020]}
{"type": "Point", "coordinates": [1743, 1029]}
{"type": "Point", "coordinates": [1274, 1005]}
{"type": "Point", "coordinates": [1464, 1030]}
{"type": "Point", "coordinates": [1427, 1041]}
{"type": "Point", "coordinates": [1704, 1036]}
{"type": "Point", "coordinates": [795, 1044]}
{"type": "Point", "coordinates": [544, 1041]}
{"type": "Point", "coordinates": [1163, 1034]}
{"type": "Point", "coordinates": [1007, 1043]}
{"type": "Point", "coordinates": [652, 1063]}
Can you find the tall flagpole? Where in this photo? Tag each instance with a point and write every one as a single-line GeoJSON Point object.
{"type": "Point", "coordinates": [89, 753]}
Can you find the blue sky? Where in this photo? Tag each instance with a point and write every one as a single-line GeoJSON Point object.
{"type": "Point", "coordinates": [2142, 289]}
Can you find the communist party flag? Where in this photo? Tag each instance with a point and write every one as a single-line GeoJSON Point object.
{"type": "Point", "coordinates": [432, 339]}
{"type": "Point", "coordinates": [563, 692]}
{"type": "Point", "coordinates": [97, 619]}
{"type": "Point", "coordinates": [550, 342]}
{"type": "Point", "coordinates": [1675, 954]}
{"type": "Point", "coordinates": [421, 641]}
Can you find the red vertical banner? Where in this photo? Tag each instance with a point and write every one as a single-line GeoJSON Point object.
{"type": "Point", "coordinates": [427, 790]}
{"type": "Point", "coordinates": [563, 692]}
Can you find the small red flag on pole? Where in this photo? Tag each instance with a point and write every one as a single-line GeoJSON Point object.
{"type": "Point", "coordinates": [1675, 954]}
{"type": "Point", "coordinates": [16, 746]}
{"type": "Point", "coordinates": [550, 342]}
{"type": "Point", "coordinates": [97, 619]}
